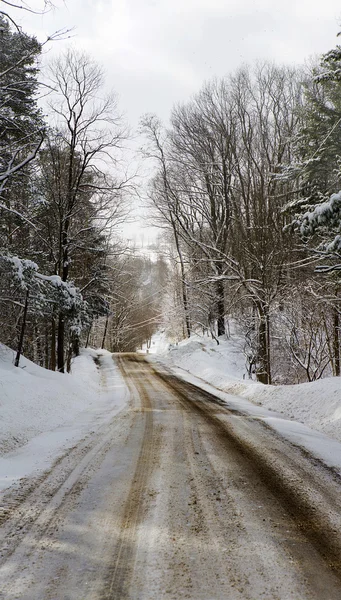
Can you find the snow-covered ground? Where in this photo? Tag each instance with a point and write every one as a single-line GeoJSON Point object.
{"type": "Point", "coordinates": [43, 413]}
{"type": "Point", "coordinates": [317, 405]}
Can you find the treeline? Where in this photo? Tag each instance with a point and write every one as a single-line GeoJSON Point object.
{"type": "Point", "coordinates": [246, 191]}
{"type": "Point", "coordinates": [63, 266]}
{"type": "Point", "coordinates": [247, 184]}
{"type": "Point", "coordinates": [138, 291]}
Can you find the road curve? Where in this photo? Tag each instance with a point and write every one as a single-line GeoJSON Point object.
{"type": "Point", "coordinates": [177, 497]}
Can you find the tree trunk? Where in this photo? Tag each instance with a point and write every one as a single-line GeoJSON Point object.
{"type": "Point", "coordinates": [53, 360]}
{"type": "Point", "coordinates": [39, 348]}
{"type": "Point", "coordinates": [46, 347]}
{"type": "Point", "coordinates": [22, 332]}
{"type": "Point", "coordinates": [88, 335]}
{"type": "Point", "coordinates": [60, 343]}
{"type": "Point", "coordinates": [34, 344]}
{"type": "Point", "coordinates": [69, 357]}
{"type": "Point", "coordinates": [264, 367]}
{"type": "Point", "coordinates": [183, 281]}
{"type": "Point", "coordinates": [64, 277]}
{"type": "Point", "coordinates": [220, 304]}
{"type": "Point", "coordinates": [336, 341]}
{"type": "Point", "coordinates": [105, 332]}
{"type": "Point", "coordinates": [187, 317]}
{"type": "Point", "coordinates": [75, 345]}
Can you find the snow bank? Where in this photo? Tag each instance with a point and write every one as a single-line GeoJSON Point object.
{"type": "Point", "coordinates": [33, 399]}
{"type": "Point", "coordinates": [43, 412]}
{"type": "Point", "coordinates": [317, 404]}
{"type": "Point", "coordinates": [202, 356]}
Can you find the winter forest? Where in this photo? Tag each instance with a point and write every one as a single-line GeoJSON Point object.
{"type": "Point", "coordinates": [243, 183]}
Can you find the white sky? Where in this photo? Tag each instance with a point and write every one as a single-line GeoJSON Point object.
{"type": "Point", "coordinates": [159, 52]}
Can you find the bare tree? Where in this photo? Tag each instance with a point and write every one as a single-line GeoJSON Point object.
{"type": "Point", "coordinates": [266, 101]}
{"type": "Point", "coordinates": [86, 146]}
{"type": "Point", "coordinates": [164, 198]}
{"type": "Point", "coordinates": [203, 138]}
{"type": "Point", "coordinates": [217, 181]}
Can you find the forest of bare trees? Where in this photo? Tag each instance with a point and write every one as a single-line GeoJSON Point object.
{"type": "Point", "coordinates": [245, 192]}
{"type": "Point", "coordinates": [234, 184]}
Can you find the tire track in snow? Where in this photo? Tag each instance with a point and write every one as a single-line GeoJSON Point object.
{"type": "Point", "coordinates": [124, 557]}
{"type": "Point", "coordinates": [316, 509]}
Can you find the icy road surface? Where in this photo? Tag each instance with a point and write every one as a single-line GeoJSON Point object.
{"type": "Point", "coordinates": [178, 496]}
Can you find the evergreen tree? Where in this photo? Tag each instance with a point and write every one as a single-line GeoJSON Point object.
{"type": "Point", "coordinates": [21, 125]}
{"type": "Point", "coordinates": [317, 169]}
{"type": "Point", "coordinates": [317, 164]}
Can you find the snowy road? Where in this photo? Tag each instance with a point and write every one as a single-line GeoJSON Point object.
{"type": "Point", "coordinates": [175, 497]}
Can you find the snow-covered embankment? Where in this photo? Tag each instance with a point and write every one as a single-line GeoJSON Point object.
{"type": "Point", "coordinates": [42, 413]}
{"type": "Point", "coordinates": [316, 405]}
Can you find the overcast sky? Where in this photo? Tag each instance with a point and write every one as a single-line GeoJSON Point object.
{"type": "Point", "coordinates": [159, 52]}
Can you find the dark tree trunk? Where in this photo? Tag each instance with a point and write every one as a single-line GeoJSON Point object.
{"type": "Point", "coordinates": [220, 304]}
{"type": "Point", "coordinates": [22, 332]}
{"type": "Point", "coordinates": [183, 282]}
{"type": "Point", "coordinates": [40, 353]}
{"type": "Point", "coordinates": [46, 347]}
{"type": "Point", "coordinates": [187, 317]}
{"type": "Point", "coordinates": [64, 277]}
{"type": "Point", "coordinates": [53, 361]}
{"type": "Point", "coordinates": [60, 343]}
{"type": "Point", "coordinates": [264, 367]}
{"type": "Point", "coordinates": [75, 345]}
{"type": "Point", "coordinates": [336, 341]}
{"type": "Point", "coordinates": [69, 357]}
{"type": "Point", "coordinates": [105, 332]}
